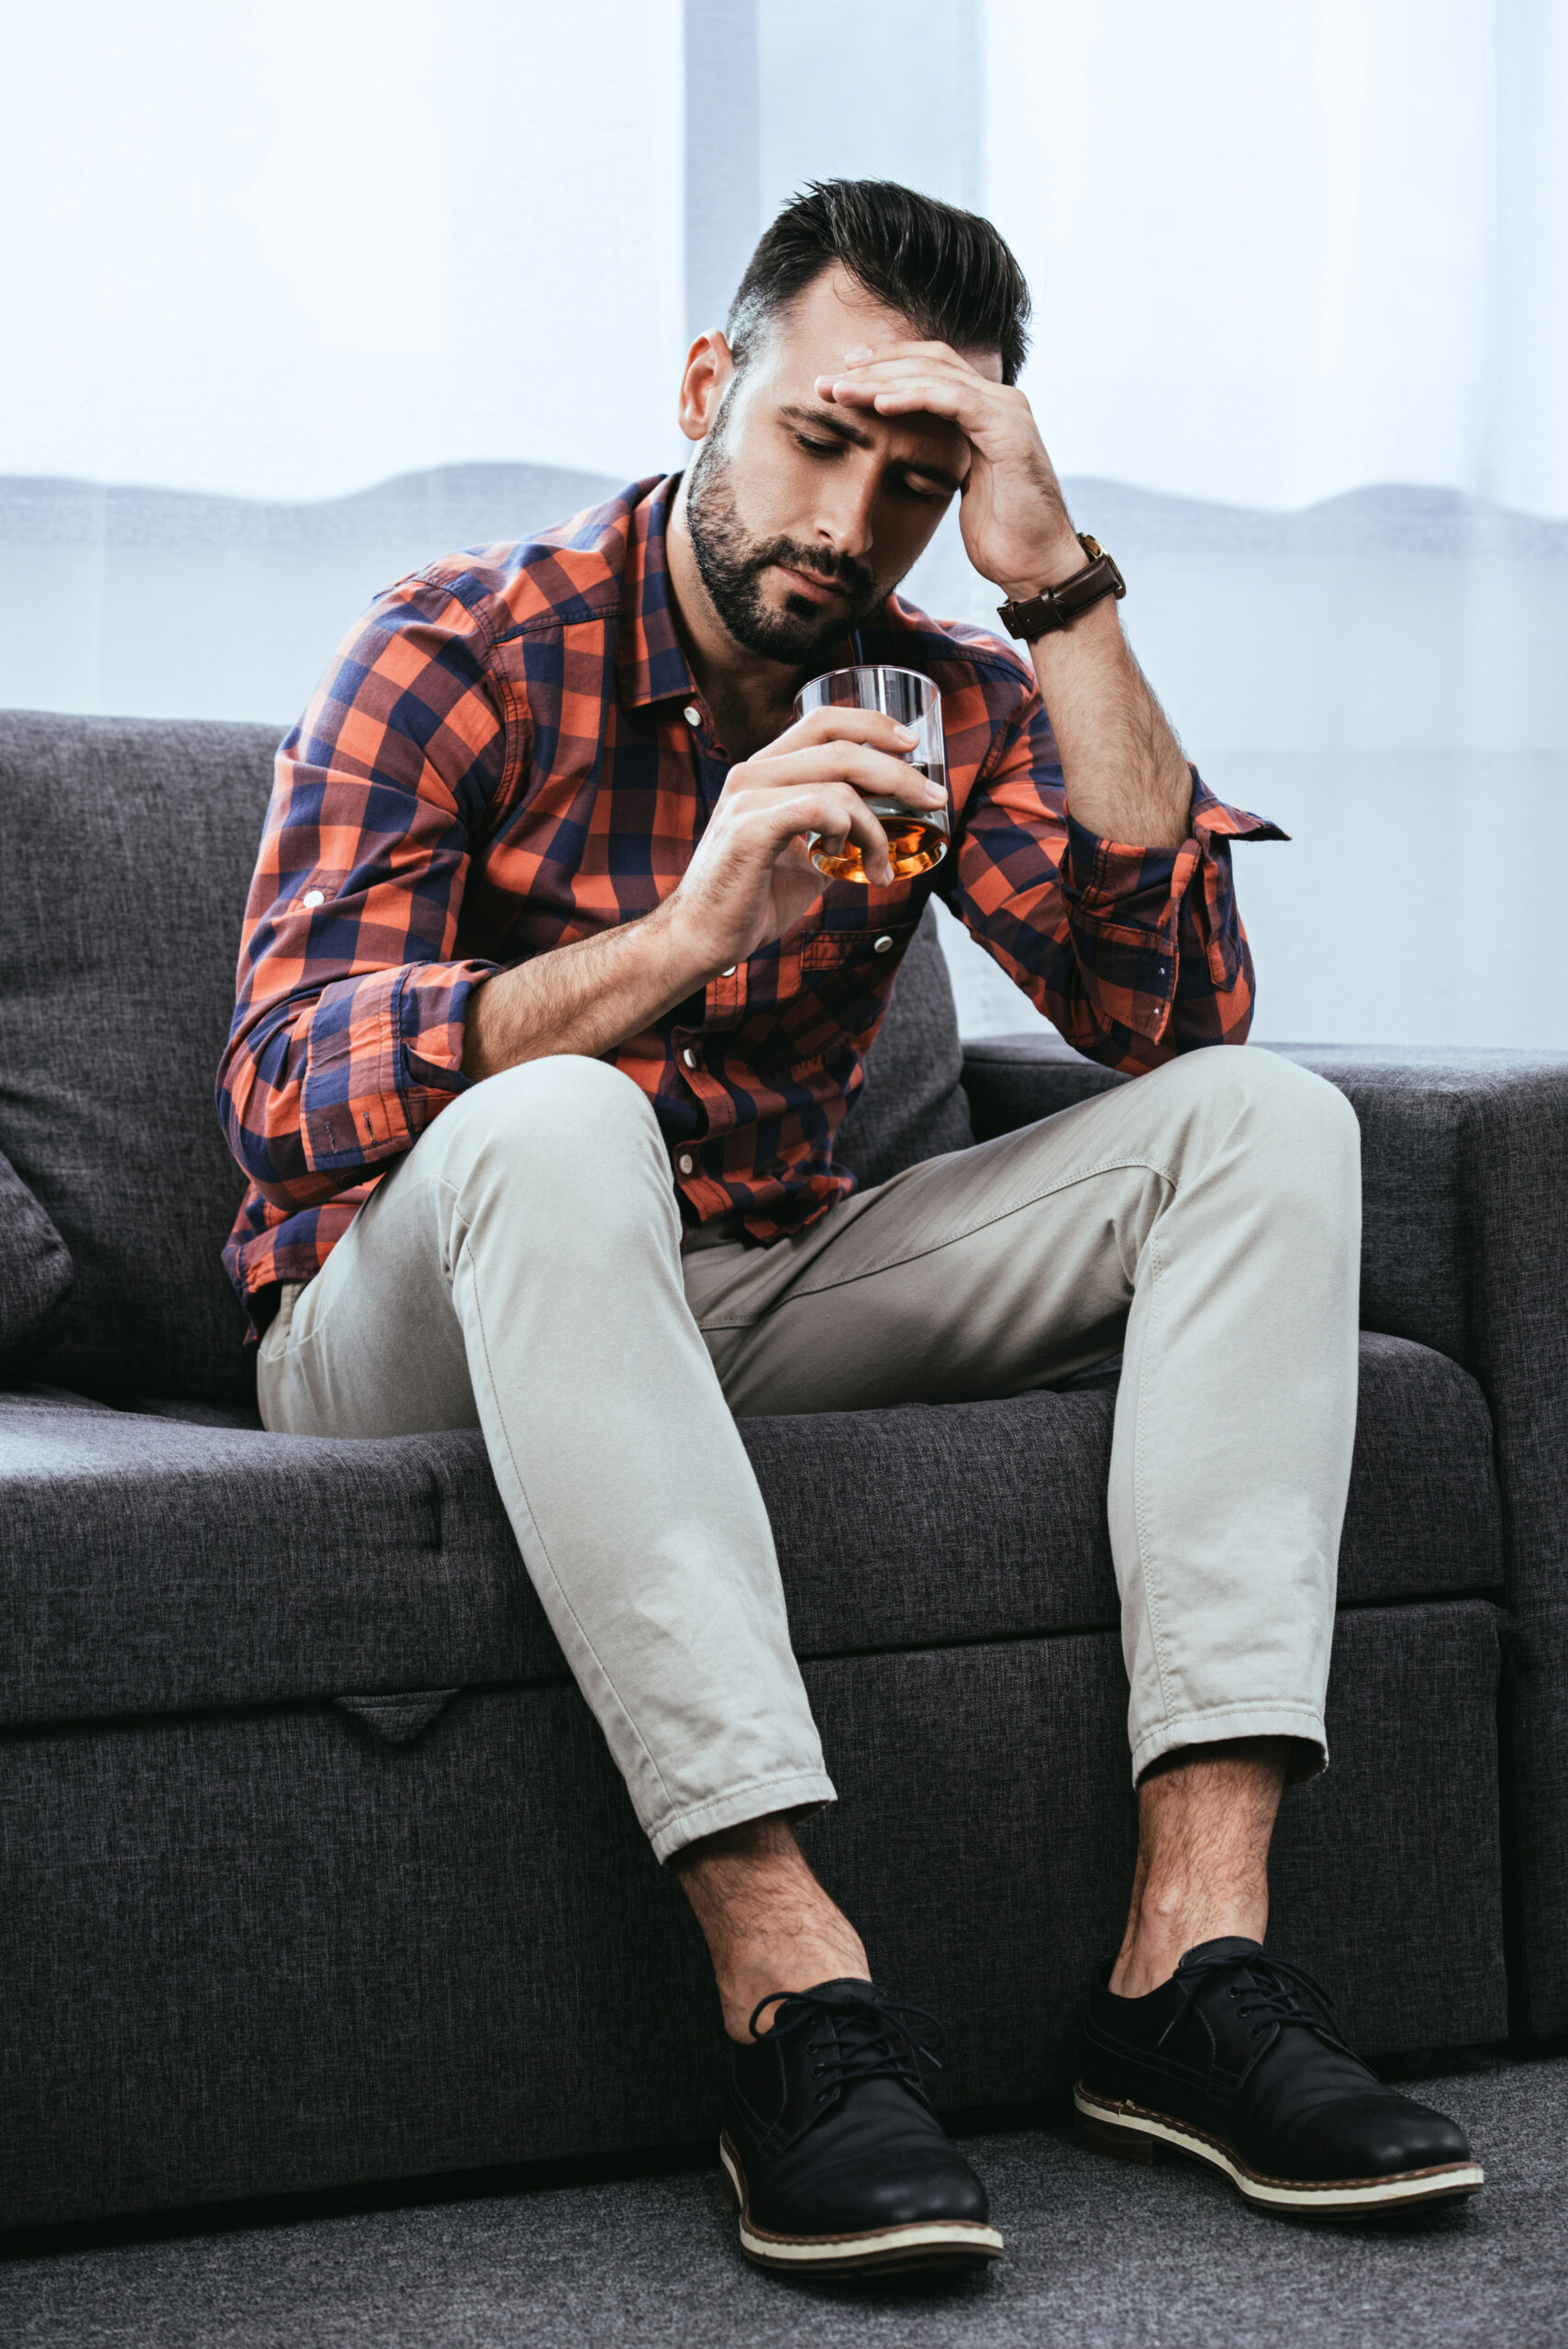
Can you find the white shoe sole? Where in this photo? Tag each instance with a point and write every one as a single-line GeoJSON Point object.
{"type": "Point", "coordinates": [928, 2242]}
{"type": "Point", "coordinates": [1135, 2134]}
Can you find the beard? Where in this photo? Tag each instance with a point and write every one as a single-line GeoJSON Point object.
{"type": "Point", "coordinates": [796, 632]}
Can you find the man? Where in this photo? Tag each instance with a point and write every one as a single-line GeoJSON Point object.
{"type": "Point", "coordinates": [546, 1021]}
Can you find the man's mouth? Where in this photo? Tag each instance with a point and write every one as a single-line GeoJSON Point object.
{"type": "Point", "coordinates": [811, 584]}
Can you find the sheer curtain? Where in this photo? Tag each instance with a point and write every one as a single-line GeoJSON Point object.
{"type": "Point", "coordinates": [296, 299]}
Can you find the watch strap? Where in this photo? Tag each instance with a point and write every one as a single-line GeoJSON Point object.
{"type": "Point", "coordinates": [1056, 608]}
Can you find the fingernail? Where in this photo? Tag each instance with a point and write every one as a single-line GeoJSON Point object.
{"type": "Point", "coordinates": [906, 733]}
{"type": "Point", "coordinates": [863, 351]}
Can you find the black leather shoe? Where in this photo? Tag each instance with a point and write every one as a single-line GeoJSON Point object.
{"type": "Point", "coordinates": [1235, 2061]}
{"type": "Point", "coordinates": [830, 2148]}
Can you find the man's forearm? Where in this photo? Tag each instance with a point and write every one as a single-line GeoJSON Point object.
{"type": "Point", "coordinates": [584, 998]}
{"type": "Point", "coordinates": [1125, 773]}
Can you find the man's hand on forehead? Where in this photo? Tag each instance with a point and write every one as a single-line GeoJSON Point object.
{"type": "Point", "coordinates": [1014, 518]}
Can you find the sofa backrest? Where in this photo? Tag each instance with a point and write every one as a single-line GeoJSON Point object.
{"type": "Point", "coordinates": [126, 852]}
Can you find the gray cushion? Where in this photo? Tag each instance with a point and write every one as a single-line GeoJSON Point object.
{"type": "Point", "coordinates": [154, 1565]}
{"type": "Point", "coordinates": [912, 1104]}
{"type": "Point", "coordinates": [35, 1276]}
{"type": "Point", "coordinates": [127, 847]}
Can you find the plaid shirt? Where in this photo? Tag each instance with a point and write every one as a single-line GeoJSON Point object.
{"type": "Point", "coordinates": [509, 752]}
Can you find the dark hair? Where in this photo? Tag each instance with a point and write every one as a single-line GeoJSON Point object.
{"type": "Point", "coordinates": [946, 272]}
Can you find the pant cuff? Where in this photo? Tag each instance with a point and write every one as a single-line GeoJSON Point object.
{"type": "Point", "coordinates": [1300, 1724]}
{"type": "Point", "coordinates": [801, 1791]}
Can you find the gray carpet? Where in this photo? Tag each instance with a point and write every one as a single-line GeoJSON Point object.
{"type": "Point", "coordinates": [1099, 2255]}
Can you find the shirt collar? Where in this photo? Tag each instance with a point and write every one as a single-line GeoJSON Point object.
{"type": "Point", "coordinates": [651, 665]}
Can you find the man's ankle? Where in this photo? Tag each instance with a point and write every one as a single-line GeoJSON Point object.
{"type": "Point", "coordinates": [1156, 1944]}
{"type": "Point", "coordinates": [761, 1976]}
{"type": "Point", "coordinates": [769, 1925]}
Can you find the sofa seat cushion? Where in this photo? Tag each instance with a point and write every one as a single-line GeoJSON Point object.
{"type": "Point", "coordinates": [154, 1565]}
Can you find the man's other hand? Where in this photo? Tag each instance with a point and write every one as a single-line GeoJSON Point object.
{"type": "Point", "coordinates": [1013, 515]}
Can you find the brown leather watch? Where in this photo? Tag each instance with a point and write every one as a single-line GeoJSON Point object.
{"type": "Point", "coordinates": [1059, 607]}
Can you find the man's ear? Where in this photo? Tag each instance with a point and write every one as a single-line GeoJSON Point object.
{"type": "Point", "coordinates": [710, 364]}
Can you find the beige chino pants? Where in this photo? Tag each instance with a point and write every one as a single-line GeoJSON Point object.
{"type": "Point", "coordinates": [522, 1270]}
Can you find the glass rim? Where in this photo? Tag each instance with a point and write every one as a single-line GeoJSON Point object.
{"type": "Point", "coordinates": [871, 668]}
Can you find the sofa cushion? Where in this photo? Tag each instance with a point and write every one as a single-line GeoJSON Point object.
{"type": "Point", "coordinates": [912, 1104]}
{"type": "Point", "coordinates": [150, 1565]}
{"type": "Point", "coordinates": [35, 1276]}
{"type": "Point", "coordinates": [127, 847]}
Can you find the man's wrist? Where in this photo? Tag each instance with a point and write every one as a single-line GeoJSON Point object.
{"type": "Point", "coordinates": [1058, 562]}
{"type": "Point", "coordinates": [686, 962]}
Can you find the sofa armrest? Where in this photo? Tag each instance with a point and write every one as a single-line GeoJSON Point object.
{"type": "Point", "coordinates": [1465, 1247]}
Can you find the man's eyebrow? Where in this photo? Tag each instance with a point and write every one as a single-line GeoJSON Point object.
{"type": "Point", "coordinates": [827, 419]}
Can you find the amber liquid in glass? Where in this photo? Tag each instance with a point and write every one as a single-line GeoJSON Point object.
{"type": "Point", "coordinates": [914, 842]}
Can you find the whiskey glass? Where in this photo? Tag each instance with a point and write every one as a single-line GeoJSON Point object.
{"type": "Point", "coordinates": [917, 838]}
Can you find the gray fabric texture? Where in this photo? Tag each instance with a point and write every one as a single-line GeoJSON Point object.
{"type": "Point", "coordinates": [1099, 2255]}
{"type": "Point", "coordinates": [295, 1954]}
{"type": "Point", "coordinates": [149, 1565]}
{"type": "Point", "coordinates": [35, 1276]}
{"type": "Point", "coordinates": [1535, 1817]}
{"type": "Point", "coordinates": [912, 1104]}
{"type": "Point", "coordinates": [127, 846]}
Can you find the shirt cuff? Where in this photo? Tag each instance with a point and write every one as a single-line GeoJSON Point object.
{"type": "Point", "coordinates": [1140, 888]}
{"type": "Point", "coordinates": [384, 1055]}
{"type": "Point", "coordinates": [1125, 906]}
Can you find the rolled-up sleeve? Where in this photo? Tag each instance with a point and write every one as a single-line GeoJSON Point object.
{"type": "Point", "coordinates": [347, 1030]}
{"type": "Point", "coordinates": [1134, 954]}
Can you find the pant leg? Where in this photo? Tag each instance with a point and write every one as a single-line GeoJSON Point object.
{"type": "Point", "coordinates": [520, 1269]}
{"type": "Point", "coordinates": [1207, 1218]}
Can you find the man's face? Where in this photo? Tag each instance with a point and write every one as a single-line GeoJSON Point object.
{"type": "Point", "coordinates": [802, 516]}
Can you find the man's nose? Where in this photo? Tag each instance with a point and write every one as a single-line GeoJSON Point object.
{"type": "Point", "coordinates": [844, 516]}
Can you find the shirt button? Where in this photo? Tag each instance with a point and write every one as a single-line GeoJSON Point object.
{"type": "Point", "coordinates": [690, 1057]}
{"type": "Point", "coordinates": [692, 714]}
{"type": "Point", "coordinates": [686, 1162]}
{"type": "Point", "coordinates": [730, 973]}
{"type": "Point", "coordinates": [882, 946]}
{"type": "Point", "coordinates": [314, 898]}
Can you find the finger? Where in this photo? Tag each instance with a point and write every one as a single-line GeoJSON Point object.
{"type": "Point", "coordinates": [859, 764]}
{"type": "Point", "coordinates": [865, 352]}
{"type": "Point", "coordinates": [836, 724]}
{"type": "Point", "coordinates": [930, 360]}
{"type": "Point", "coordinates": [871, 372]}
{"type": "Point", "coordinates": [834, 812]}
{"type": "Point", "coordinates": [914, 386]}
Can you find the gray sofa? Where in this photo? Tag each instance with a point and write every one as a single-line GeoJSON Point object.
{"type": "Point", "coordinates": [315, 1868]}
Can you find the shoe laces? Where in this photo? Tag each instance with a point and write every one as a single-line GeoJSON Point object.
{"type": "Point", "coordinates": [869, 2037]}
{"type": "Point", "coordinates": [1271, 1996]}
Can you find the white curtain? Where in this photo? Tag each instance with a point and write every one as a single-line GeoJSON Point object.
{"type": "Point", "coordinates": [295, 297]}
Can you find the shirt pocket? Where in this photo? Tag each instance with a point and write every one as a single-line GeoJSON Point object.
{"type": "Point", "coordinates": [846, 978]}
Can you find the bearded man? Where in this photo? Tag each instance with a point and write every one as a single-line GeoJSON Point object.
{"type": "Point", "coordinates": [546, 1021]}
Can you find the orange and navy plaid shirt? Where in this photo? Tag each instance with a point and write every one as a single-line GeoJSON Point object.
{"type": "Point", "coordinates": [509, 753]}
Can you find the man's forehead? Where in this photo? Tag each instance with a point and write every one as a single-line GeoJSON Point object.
{"type": "Point", "coordinates": [835, 315]}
